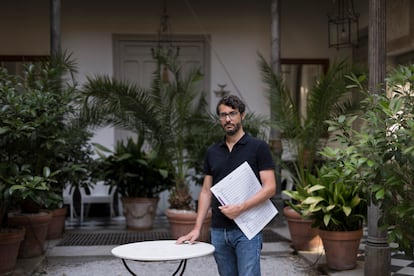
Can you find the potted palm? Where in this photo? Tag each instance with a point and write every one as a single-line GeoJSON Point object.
{"type": "Point", "coordinates": [307, 134]}
{"type": "Point", "coordinates": [171, 117]}
{"type": "Point", "coordinates": [327, 98]}
{"type": "Point", "coordinates": [138, 176]}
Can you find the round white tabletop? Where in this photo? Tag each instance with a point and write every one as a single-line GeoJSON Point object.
{"type": "Point", "coordinates": [162, 250]}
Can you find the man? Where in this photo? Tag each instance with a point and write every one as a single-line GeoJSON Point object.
{"type": "Point", "coordinates": [234, 253]}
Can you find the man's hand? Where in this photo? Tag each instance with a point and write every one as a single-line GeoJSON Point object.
{"type": "Point", "coordinates": [231, 211]}
{"type": "Point", "coordinates": [190, 237]}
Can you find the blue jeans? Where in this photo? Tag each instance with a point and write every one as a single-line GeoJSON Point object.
{"type": "Point", "coordinates": [236, 255]}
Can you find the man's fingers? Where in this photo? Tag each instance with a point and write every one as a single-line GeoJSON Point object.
{"type": "Point", "coordinates": [181, 240]}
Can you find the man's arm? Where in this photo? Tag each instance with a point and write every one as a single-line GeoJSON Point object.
{"type": "Point", "coordinates": [268, 180]}
{"type": "Point", "coordinates": [204, 201]}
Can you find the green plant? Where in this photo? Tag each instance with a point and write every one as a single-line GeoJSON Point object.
{"type": "Point", "coordinates": [385, 141]}
{"type": "Point", "coordinates": [133, 172]}
{"type": "Point", "coordinates": [327, 98]}
{"type": "Point", "coordinates": [39, 124]}
{"type": "Point", "coordinates": [171, 117]}
{"type": "Point", "coordinates": [32, 192]}
{"type": "Point", "coordinates": [303, 177]}
{"type": "Point", "coordinates": [334, 196]}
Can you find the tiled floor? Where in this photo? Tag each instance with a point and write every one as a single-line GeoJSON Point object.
{"type": "Point", "coordinates": [400, 264]}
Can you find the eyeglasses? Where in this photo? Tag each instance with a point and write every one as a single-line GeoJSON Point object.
{"type": "Point", "coordinates": [232, 115]}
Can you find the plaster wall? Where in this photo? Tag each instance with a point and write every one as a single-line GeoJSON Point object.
{"type": "Point", "coordinates": [239, 29]}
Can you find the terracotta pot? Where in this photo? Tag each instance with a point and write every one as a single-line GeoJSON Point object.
{"type": "Point", "coordinates": [36, 226]}
{"type": "Point", "coordinates": [57, 224]}
{"type": "Point", "coordinates": [10, 240]}
{"type": "Point", "coordinates": [304, 237]}
{"type": "Point", "coordinates": [29, 206]}
{"type": "Point", "coordinates": [183, 221]}
{"type": "Point", "coordinates": [140, 212]}
{"type": "Point", "coordinates": [341, 248]}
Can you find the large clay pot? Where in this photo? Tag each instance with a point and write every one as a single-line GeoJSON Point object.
{"type": "Point", "coordinates": [183, 221]}
{"type": "Point", "coordinates": [303, 236]}
{"type": "Point", "coordinates": [140, 212]}
{"type": "Point", "coordinates": [36, 226]}
{"type": "Point", "coordinates": [341, 248]}
{"type": "Point", "coordinates": [57, 224]}
{"type": "Point", "coordinates": [10, 240]}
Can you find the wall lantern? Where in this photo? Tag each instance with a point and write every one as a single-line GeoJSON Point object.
{"type": "Point", "coordinates": [343, 24]}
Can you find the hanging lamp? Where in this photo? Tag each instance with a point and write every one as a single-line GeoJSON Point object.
{"type": "Point", "coordinates": [343, 25]}
{"type": "Point", "coordinates": [164, 39]}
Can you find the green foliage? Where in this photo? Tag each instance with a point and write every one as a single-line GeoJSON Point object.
{"type": "Point", "coordinates": [326, 99]}
{"type": "Point", "coordinates": [324, 189]}
{"type": "Point", "coordinates": [171, 117]}
{"type": "Point", "coordinates": [39, 126]}
{"type": "Point", "coordinates": [132, 171]}
{"type": "Point", "coordinates": [383, 151]}
{"type": "Point", "coordinates": [24, 187]}
{"type": "Point", "coordinates": [386, 140]}
{"type": "Point", "coordinates": [334, 196]}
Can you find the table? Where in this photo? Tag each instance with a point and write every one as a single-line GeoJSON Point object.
{"type": "Point", "coordinates": [162, 250]}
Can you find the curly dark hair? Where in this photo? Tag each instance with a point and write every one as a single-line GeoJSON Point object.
{"type": "Point", "coordinates": [232, 101]}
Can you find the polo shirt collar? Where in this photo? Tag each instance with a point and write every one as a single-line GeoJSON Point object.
{"type": "Point", "coordinates": [242, 140]}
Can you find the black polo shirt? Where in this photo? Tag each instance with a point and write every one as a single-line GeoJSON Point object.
{"type": "Point", "coordinates": [219, 162]}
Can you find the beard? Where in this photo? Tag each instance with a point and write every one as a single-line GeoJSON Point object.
{"type": "Point", "coordinates": [234, 130]}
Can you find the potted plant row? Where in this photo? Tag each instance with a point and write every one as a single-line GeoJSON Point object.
{"type": "Point", "coordinates": [372, 164]}
{"type": "Point", "coordinates": [42, 146]}
{"type": "Point", "coordinates": [380, 146]}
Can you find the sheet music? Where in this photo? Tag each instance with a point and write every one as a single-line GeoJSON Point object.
{"type": "Point", "coordinates": [237, 187]}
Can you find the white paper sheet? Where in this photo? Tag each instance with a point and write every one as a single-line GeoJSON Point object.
{"type": "Point", "coordinates": [237, 187]}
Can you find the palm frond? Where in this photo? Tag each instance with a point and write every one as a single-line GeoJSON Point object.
{"type": "Point", "coordinates": [108, 101]}
{"type": "Point", "coordinates": [328, 98]}
{"type": "Point", "coordinates": [285, 113]}
{"type": "Point", "coordinates": [171, 116]}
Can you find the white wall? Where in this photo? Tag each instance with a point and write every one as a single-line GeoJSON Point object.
{"type": "Point", "coordinates": [239, 29]}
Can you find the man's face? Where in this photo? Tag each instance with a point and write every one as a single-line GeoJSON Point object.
{"type": "Point", "coordinates": [230, 119]}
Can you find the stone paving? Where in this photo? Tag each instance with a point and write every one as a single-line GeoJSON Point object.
{"type": "Point", "coordinates": [278, 258]}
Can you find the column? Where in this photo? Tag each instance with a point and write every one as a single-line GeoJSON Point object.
{"type": "Point", "coordinates": [275, 142]}
{"type": "Point", "coordinates": [377, 251]}
{"type": "Point", "coordinates": [55, 27]}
